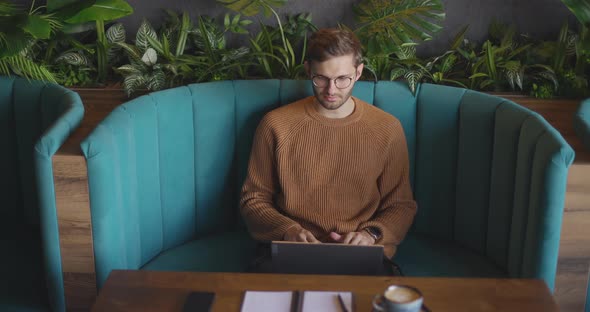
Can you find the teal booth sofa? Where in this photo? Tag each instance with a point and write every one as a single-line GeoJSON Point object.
{"type": "Point", "coordinates": [35, 120]}
{"type": "Point", "coordinates": [165, 172]}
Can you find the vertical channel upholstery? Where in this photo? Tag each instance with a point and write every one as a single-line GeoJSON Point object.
{"type": "Point", "coordinates": [482, 180]}
{"type": "Point", "coordinates": [582, 123]}
{"type": "Point", "coordinates": [35, 120]}
{"type": "Point", "coordinates": [165, 170]}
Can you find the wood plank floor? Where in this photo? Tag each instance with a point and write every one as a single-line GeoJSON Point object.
{"type": "Point", "coordinates": [574, 255]}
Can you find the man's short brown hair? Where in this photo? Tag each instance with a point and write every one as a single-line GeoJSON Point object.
{"type": "Point", "coordinates": [331, 42]}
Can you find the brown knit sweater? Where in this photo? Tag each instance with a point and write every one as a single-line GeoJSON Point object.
{"type": "Point", "coordinates": [341, 175]}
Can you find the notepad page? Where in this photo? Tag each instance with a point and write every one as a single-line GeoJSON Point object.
{"type": "Point", "coordinates": [326, 301]}
{"type": "Point", "coordinates": [267, 301]}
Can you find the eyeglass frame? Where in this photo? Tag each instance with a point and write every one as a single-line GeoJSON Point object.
{"type": "Point", "coordinates": [329, 80]}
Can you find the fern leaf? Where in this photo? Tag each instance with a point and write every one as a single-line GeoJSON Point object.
{"type": "Point", "coordinates": [24, 67]}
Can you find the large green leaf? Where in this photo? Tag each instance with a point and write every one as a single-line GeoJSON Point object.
{"type": "Point", "coordinates": [116, 33]}
{"type": "Point", "coordinates": [38, 26]}
{"type": "Point", "coordinates": [144, 32]}
{"type": "Point", "coordinates": [65, 9]}
{"type": "Point", "coordinates": [580, 8]}
{"type": "Point", "coordinates": [57, 5]}
{"type": "Point", "coordinates": [133, 82]}
{"type": "Point", "coordinates": [105, 10]}
{"type": "Point", "coordinates": [383, 25]}
{"type": "Point", "coordinates": [252, 7]}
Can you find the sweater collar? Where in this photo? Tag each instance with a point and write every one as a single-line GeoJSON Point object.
{"type": "Point", "coordinates": [312, 111]}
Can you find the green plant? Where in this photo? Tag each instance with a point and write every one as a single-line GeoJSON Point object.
{"type": "Point", "coordinates": [439, 70]}
{"type": "Point", "coordinates": [20, 31]}
{"type": "Point", "coordinates": [544, 91]}
{"type": "Point", "coordinates": [580, 8]}
{"type": "Point", "coordinates": [143, 70]}
{"type": "Point", "coordinates": [385, 25]}
{"type": "Point", "coordinates": [77, 13]}
{"type": "Point", "coordinates": [253, 7]}
{"type": "Point", "coordinates": [408, 66]}
{"type": "Point", "coordinates": [64, 49]}
{"type": "Point", "coordinates": [73, 76]}
{"type": "Point", "coordinates": [556, 63]}
{"type": "Point", "coordinates": [447, 68]}
{"type": "Point", "coordinates": [388, 27]}
{"type": "Point", "coordinates": [404, 64]}
{"type": "Point", "coordinates": [502, 61]}
{"type": "Point", "coordinates": [274, 49]}
{"type": "Point", "coordinates": [214, 60]}
{"type": "Point", "coordinates": [180, 53]}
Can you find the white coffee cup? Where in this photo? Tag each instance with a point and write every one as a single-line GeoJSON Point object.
{"type": "Point", "coordinates": [399, 298]}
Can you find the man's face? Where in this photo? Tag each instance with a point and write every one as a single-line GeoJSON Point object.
{"type": "Point", "coordinates": [333, 80]}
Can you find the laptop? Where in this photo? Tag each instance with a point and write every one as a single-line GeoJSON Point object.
{"type": "Point", "coordinates": [326, 258]}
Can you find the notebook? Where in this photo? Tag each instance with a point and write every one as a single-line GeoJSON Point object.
{"type": "Point", "coordinates": [297, 301]}
{"type": "Point", "coordinates": [326, 258]}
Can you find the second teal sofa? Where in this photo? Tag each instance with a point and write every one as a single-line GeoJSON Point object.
{"type": "Point", "coordinates": [35, 120]}
{"type": "Point", "coordinates": [165, 172]}
{"type": "Point", "coordinates": [582, 123]}
{"type": "Point", "coordinates": [582, 128]}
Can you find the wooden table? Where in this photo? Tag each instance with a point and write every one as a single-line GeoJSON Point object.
{"type": "Point", "coordinates": [166, 291]}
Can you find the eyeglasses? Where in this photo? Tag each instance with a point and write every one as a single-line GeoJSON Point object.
{"type": "Point", "coordinates": [341, 82]}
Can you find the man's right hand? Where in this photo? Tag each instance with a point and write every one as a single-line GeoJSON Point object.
{"type": "Point", "coordinates": [299, 234]}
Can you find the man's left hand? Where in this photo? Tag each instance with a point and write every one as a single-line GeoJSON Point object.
{"type": "Point", "coordinates": [353, 238]}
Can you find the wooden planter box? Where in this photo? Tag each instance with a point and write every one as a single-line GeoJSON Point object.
{"type": "Point", "coordinates": [559, 112]}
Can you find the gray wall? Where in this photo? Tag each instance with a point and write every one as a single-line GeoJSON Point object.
{"type": "Point", "coordinates": [538, 18]}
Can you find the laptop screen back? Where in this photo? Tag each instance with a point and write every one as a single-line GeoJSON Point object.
{"type": "Point", "coordinates": [326, 258]}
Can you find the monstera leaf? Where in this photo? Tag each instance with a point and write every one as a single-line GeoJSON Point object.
{"type": "Point", "coordinates": [385, 25]}
{"type": "Point", "coordinates": [580, 8]}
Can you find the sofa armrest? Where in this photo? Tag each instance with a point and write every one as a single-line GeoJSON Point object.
{"type": "Point", "coordinates": [582, 123]}
{"type": "Point", "coordinates": [67, 112]}
{"type": "Point", "coordinates": [553, 157]}
{"type": "Point", "coordinates": [106, 195]}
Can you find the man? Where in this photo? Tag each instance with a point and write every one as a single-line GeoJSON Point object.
{"type": "Point", "coordinates": [330, 168]}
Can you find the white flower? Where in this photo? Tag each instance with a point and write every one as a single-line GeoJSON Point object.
{"type": "Point", "coordinates": [150, 57]}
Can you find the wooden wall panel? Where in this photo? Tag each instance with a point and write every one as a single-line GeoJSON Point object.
{"type": "Point", "coordinates": [75, 231]}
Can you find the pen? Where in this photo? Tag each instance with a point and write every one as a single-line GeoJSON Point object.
{"type": "Point", "coordinates": [342, 305]}
{"type": "Point", "coordinates": [296, 301]}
